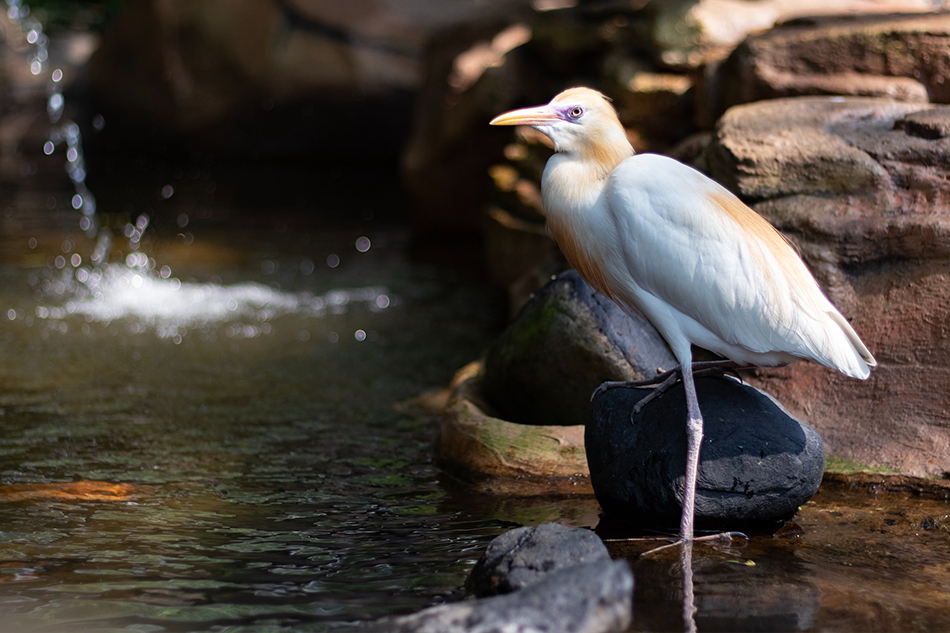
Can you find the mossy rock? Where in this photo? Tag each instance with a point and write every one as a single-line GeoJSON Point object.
{"type": "Point", "coordinates": [505, 457]}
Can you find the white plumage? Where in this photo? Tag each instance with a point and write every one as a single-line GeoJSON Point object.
{"type": "Point", "coordinates": [661, 238]}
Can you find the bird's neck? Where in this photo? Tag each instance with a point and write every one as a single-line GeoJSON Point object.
{"type": "Point", "coordinates": [573, 180]}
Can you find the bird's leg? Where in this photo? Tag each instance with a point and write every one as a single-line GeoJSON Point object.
{"type": "Point", "coordinates": [694, 439]}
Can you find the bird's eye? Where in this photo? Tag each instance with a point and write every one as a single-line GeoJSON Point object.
{"type": "Point", "coordinates": [576, 111]}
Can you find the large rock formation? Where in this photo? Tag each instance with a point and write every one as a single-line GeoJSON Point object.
{"type": "Point", "coordinates": [901, 57]}
{"type": "Point", "coordinates": [302, 77]}
{"type": "Point", "coordinates": [862, 187]}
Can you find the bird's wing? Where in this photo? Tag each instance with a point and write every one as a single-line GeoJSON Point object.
{"type": "Point", "coordinates": [692, 244]}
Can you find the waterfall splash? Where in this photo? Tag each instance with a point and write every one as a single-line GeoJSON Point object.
{"type": "Point", "coordinates": [135, 290]}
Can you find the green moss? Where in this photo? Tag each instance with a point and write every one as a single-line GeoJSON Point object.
{"type": "Point", "coordinates": [848, 467]}
{"type": "Point", "coordinates": [528, 331]}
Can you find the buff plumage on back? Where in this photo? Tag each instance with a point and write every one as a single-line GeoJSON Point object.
{"type": "Point", "coordinates": [698, 248]}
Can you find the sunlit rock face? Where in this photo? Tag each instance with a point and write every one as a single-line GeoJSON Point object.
{"type": "Point", "coordinates": [861, 187]}
{"type": "Point", "coordinates": [901, 57]}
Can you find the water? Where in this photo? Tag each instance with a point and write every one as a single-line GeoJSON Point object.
{"type": "Point", "coordinates": [252, 470]}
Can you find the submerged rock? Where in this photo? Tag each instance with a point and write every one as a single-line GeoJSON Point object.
{"type": "Point", "coordinates": [566, 341]}
{"type": "Point", "coordinates": [590, 598]}
{"type": "Point", "coordinates": [523, 556]}
{"type": "Point", "coordinates": [758, 464]}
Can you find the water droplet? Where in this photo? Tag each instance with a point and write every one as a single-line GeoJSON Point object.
{"type": "Point", "coordinates": [333, 337]}
{"type": "Point", "coordinates": [98, 122]}
{"type": "Point", "coordinates": [32, 36]}
{"type": "Point", "coordinates": [167, 192]}
{"type": "Point", "coordinates": [75, 260]}
{"type": "Point", "coordinates": [32, 243]}
{"type": "Point", "coordinates": [36, 67]}
{"type": "Point", "coordinates": [359, 335]}
{"type": "Point", "coordinates": [268, 267]}
{"type": "Point", "coordinates": [67, 246]}
{"type": "Point", "coordinates": [57, 75]}
{"type": "Point", "coordinates": [382, 302]}
{"type": "Point", "coordinates": [72, 154]}
{"type": "Point", "coordinates": [48, 147]}
{"type": "Point", "coordinates": [77, 201]}
{"type": "Point", "coordinates": [183, 220]}
{"type": "Point", "coordinates": [304, 335]}
{"type": "Point", "coordinates": [11, 314]}
{"type": "Point", "coordinates": [306, 267]}
{"type": "Point", "coordinates": [165, 272]}
{"type": "Point", "coordinates": [333, 261]}
{"type": "Point", "coordinates": [60, 261]}
{"type": "Point", "coordinates": [363, 244]}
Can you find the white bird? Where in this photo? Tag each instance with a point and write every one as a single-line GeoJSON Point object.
{"type": "Point", "coordinates": [660, 238]}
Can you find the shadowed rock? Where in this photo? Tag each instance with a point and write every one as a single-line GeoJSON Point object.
{"type": "Point", "coordinates": [523, 556]}
{"type": "Point", "coordinates": [757, 464]}
{"type": "Point", "coordinates": [566, 341]}
{"type": "Point", "coordinates": [590, 598]}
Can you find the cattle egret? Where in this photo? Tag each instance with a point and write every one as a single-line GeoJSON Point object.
{"type": "Point", "coordinates": [660, 238]}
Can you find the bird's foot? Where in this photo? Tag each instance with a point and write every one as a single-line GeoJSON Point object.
{"type": "Point", "coordinates": [722, 537]}
{"type": "Point", "coordinates": [645, 383]}
{"type": "Point", "coordinates": [666, 379]}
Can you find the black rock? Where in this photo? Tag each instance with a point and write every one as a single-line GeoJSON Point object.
{"type": "Point", "coordinates": [590, 598]}
{"type": "Point", "coordinates": [564, 342]}
{"type": "Point", "coordinates": [523, 556]}
{"type": "Point", "coordinates": [758, 464]}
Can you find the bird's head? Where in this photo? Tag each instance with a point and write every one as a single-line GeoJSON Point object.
{"type": "Point", "coordinates": [579, 121]}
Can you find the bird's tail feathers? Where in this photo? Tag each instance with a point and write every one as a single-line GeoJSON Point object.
{"type": "Point", "coordinates": [850, 357]}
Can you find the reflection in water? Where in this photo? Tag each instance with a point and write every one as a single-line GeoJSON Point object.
{"type": "Point", "coordinates": [78, 491]}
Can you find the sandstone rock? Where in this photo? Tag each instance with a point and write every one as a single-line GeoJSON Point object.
{"type": "Point", "coordinates": [688, 34]}
{"type": "Point", "coordinates": [902, 57]}
{"type": "Point", "coordinates": [657, 106]}
{"type": "Point", "coordinates": [523, 556]}
{"type": "Point", "coordinates": [757, 463]}
{"type": "Point", "coordinates": [861, 187]}
{"type": "Point", "coordinates": [494, 455]}
{"type": "Point", "coordinates": [590, 598]}
{"type": "Point", "coordinates": [520, 255]}
{"type": "Point", "coordinates": [451, 146]}
{"type": "Point", "coordinates": [565, 342]}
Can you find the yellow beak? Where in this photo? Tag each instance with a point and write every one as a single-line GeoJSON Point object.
{"type": "Point", "coordinates": [527, 116]}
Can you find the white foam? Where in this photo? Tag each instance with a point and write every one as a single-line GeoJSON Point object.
{"type": "Point", "coordinates": [147, 301]}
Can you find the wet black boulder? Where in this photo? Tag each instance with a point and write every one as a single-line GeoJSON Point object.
{"type": "Point", "coordinates": [565, 341]}
{"type": "Point", "coordinates": [523, 556]}
{"type": "Point", "coordinates": [758, 464]}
